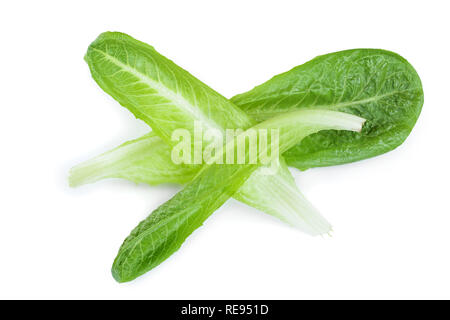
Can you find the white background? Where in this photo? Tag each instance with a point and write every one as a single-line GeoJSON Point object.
{"type": "Point", "coordinates": [390, 214]}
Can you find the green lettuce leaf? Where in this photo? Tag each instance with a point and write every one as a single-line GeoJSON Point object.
{"type": "Point", "coordinates": [164, 231]}
{"type": "Point", "coordinates": [378, 85]}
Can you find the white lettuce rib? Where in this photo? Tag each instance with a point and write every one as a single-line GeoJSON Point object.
{"type": "Point", "coordinates": [285, 202]}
